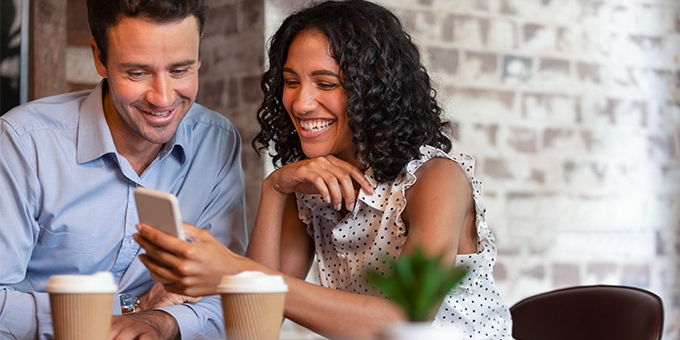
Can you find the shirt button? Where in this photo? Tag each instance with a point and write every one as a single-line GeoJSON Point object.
{"type": "Point", "coordinates": [132, 241]}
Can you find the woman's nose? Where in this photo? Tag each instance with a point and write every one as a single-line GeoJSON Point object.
{"type": "Point", "coordinates": [305, 100]}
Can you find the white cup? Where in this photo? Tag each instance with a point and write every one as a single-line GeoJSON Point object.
{"type": "Point", "coordinates": [253, 305]}
{"type": "Point", "coordinates": [81, 305]}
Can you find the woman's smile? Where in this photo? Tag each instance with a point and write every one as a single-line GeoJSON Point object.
{"type": "Point", "coordinates": [315, 125]}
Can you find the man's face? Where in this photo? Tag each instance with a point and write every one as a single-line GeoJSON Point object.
{"type": "Point", "coordinates": [152, 72]}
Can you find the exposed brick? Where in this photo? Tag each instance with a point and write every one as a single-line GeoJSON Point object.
{"type": "Point", "coordinates": [472, 31]}
{"type": "Point", "coordinates": [585, 174]}
{"type": "Point", "coordinates": [232, 93]}
{"type": "Point", "coordinates": [522, 139]}
{"type": "Point", "coordinates": [488, 131]}
{"type": "Point", "coordinates": [608, 109]}
{"type": "Point", "coordinates": [662, 146]}
{"type": "Point", "coordinates": [537, 176]}
{"type": "Point", "coordinates": [550, 136]}
{"type": "Point", "coordinates": [553, 73]}
{"type": "Point", "coordinates": [502, 34]}
{"type": "Point", "coordinates": [554, 66]}
{"type": "Point", "coordinates": [549, 107]}
{"type": "Point", "coordinates": [497, 168]}
{"type": "Point", "coordinates": [222, 20]}
{"type": "Point", "coordinates": [539, 38]}
{"type": "Point", "coordinates": [588, 72]}
{"type": "Point", "coordinates": [480, 99]}
{"type": "Point", "coordinates": [481, 5]}
{"type": "Point", "coordinates": [591, 8]}
{"type": "Point", "coordinates": [648, 44]}
{"type": "Point", "coordinates": [211, 94]}
{"type": "Point", "coordinates": [443, 60]}
{"type": "Point", "coordinates": [568, 40]}
{"type": "Point", "coordinates": [480, 67]}
{"type": "Point", "coordinates": [250, 89]}
{"type": "Point", "coordinates": [516, 69]}
{"type": "Point", "coordinates": [242, 56]}
{"type": "Point", "coordinates": [508, 7]}
{"type": "Point", "coordinates": [250, 15]}
{"type": "Point", "coordinates": [488, 62]}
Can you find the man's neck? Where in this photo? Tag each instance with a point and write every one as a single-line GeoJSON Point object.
{"type": "Point", "coordinates": [139, 152]}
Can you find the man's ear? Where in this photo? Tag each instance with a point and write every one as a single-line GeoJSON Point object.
{"type": "Point", "coordinates": [97, 56]}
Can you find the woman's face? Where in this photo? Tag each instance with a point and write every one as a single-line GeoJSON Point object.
{"type": "Point", "coordinates": [314, 98]}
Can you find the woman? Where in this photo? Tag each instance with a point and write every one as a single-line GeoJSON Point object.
{"type": "Point", "coordinates": [353, 124]}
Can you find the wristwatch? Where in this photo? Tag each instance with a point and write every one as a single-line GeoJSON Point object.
{"type": "Point", "coordinates": [128, 303]}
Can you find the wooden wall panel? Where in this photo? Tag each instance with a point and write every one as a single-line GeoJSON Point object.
{"type": "Point", "coordinates": [47, 43]}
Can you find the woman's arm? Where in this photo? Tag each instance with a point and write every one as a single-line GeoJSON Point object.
{"type": "Point", "coordinates": [440, 211]}
{"type": "Point", "coordinates": [278, 236]}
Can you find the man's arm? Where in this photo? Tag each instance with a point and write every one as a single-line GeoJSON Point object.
{"type": "Point", "coordinates": [23, 315]}
{"type": "Point", "coordinates": [224, 217]}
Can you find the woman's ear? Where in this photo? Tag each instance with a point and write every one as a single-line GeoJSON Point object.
{"type": "Point", "coordinates": [97, 56]}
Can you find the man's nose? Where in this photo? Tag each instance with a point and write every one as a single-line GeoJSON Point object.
{"type": "Point", "coordinates": [160, 94]}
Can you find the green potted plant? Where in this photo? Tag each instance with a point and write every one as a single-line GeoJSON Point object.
{"type": "Point", "coordinates": [417, 283]}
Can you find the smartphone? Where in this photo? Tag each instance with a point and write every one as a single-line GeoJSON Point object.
{"type": "Point", "coordinates": [160, 210]}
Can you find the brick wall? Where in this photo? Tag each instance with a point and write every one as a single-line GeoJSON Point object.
{"type": "Point", "coordinates": [572, 110]}
{"type": "Point", "coordinates": [232, 57]}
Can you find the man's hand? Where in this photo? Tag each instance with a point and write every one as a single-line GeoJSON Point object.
{"type": "Point", "coordinates": [158, 297]}
{"type": "Point", "coordinates": [148, 325]}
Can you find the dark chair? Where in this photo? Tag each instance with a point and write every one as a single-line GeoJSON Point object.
{"type": "Point", "coordinates": [599, 312]}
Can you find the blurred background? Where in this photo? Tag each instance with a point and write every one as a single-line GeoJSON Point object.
{"type": "Point", "coordinates": [570, 107]}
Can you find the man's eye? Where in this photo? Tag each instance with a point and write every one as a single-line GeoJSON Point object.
{"type": "Point", "coordinates": [136, 75]}
{"type": "Point", "coordinates": [179, 72]}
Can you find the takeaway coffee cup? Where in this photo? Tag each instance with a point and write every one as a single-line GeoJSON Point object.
{"type": "Point", "coordinates": [81, 305]}
{"type": "Point", "coordinates": [253, 305]}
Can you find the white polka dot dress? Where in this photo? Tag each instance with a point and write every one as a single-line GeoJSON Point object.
{"type": "Point", "coordinates": [347, 245]}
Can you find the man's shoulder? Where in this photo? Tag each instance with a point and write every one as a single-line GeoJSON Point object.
{"type": "Point", "coordinates": [200, 115]}
{"type": "Point", "coordinates": [54, 111]}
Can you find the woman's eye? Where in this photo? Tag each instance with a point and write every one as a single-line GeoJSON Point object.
{"type": "Point", "coordinates": [290, 82]}
{"type": "Point", "coordinates": [327, 86]}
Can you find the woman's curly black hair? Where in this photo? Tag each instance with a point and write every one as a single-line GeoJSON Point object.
{"type": "Point", "coordinates": [391, 105]}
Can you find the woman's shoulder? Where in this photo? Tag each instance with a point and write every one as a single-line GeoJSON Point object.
{"type": "Point", "coordinates": [434, 162]}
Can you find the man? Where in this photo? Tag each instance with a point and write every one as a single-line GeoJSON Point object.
{"type": "Point", "coordinates": [69, 165]}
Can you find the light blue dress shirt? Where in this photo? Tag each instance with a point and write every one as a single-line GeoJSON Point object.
{"type": "Point", "coordinates": [67, 205]}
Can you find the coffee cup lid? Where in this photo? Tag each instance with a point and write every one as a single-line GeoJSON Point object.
{"type": "Point", "coordinates": [252, 282]}
{"type": "Point", "coordinates": [100, 282]}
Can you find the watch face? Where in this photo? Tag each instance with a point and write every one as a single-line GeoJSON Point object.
{"type": "Point", "coordinates": [128, 303]}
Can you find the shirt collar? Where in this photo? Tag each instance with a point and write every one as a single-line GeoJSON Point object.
{"type": "Point", "coordinates": [377, 200]}
{"type": "Point", "coordinates": [93, 137]}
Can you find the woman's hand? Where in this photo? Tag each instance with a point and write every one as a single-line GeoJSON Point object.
{"type": "Point", "coordinates": [158, 297]}
{"type": "Point", "coordinates": [328, 176]}
{"type": "Point", "coordinates": [192, 268]}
